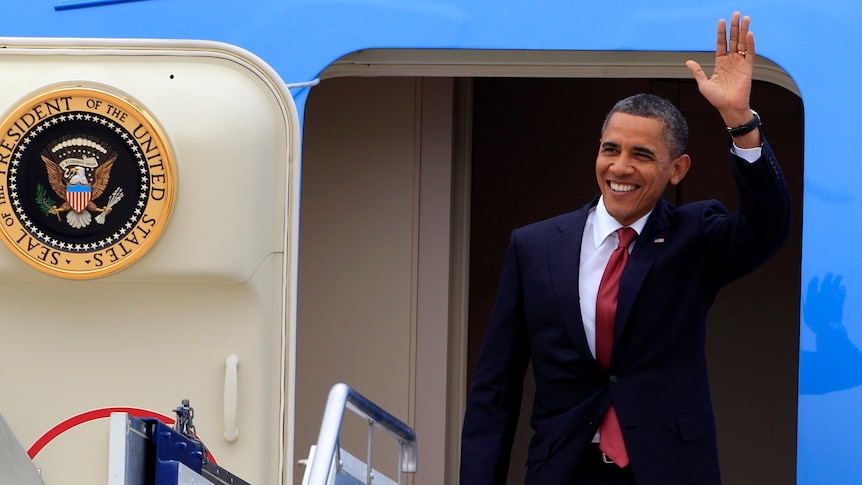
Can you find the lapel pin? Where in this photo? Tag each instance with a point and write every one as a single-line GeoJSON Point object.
{"type": "Point", "coordinates": [659, 240]}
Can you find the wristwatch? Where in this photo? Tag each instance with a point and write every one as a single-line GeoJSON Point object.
{"type": "Point", "coordinates": [746, 128]}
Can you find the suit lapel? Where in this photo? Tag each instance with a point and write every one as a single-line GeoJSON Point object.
{"type": "Point", "coordinates": [650, 244]}
{"type": "Point", "coordinates": [564, 256]}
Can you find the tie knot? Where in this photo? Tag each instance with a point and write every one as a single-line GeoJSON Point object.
{"type": "Point", "coordinates": [626, 234]}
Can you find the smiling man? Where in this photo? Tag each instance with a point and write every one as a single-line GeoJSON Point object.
{"type": "Point", "coordinates": [609, 302]}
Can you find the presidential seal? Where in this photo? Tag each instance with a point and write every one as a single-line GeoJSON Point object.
{"type": "Point", "coordinates": [87, 181]}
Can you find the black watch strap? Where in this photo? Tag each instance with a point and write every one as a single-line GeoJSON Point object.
{"type": "Point", "coordinates": [746, 128]}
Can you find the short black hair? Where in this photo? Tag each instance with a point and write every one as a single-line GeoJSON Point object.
{"type": "Point", "coordinates": [651, 106]}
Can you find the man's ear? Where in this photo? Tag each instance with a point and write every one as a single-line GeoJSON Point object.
{"type": "Point", "coordinates": [679, 167]}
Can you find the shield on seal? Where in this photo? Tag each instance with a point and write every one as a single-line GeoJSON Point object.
{"type": "Point", "coordinates": [78, 196]}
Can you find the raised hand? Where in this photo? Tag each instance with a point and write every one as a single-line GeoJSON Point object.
{"type": "Point", "coordinates": [729, 87]}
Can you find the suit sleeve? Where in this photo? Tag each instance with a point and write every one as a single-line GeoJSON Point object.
{"type": "Point", "coordinates": [747, 238]}
{"type": "Point", "coordinates": [494, 400]}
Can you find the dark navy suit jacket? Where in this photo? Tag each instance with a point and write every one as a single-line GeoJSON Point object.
{"type": "Point", "coordinates": [657, 378]}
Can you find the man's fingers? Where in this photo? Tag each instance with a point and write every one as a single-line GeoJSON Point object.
{"type": "Point", "coordinates": [721, 39]}
{"type": "Point", "coordinates": [734, 33]}
{"type": "Point", "coordinates": [750, 46]}
{"type": "Point", "coordinates": [743, 33]}
{"type": "Point", "coordinates": [696, 71]}
{"type": "Point", "coordinates": [740, 41]}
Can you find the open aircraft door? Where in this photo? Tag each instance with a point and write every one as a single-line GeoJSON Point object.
{"type": "Point", "coordinates": [148, 202]}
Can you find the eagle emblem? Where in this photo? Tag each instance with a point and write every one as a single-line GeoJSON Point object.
{"type": "Point", "coordinates": [79, 169]}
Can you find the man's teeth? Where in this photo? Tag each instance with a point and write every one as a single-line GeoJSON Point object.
{"type": "Point", "coordinates": [622, 187]}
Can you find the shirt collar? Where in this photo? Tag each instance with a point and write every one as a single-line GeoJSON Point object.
{"type": "Point", "coordinates": [604, 224]}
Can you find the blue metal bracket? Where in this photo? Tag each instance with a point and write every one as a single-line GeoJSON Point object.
{"type": "Point", "coordinates": [72, 4]}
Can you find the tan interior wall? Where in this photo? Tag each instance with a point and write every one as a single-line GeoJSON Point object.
{"type": "Point", "coordinates": [356, 255]}
{"type": "Point", "coordinates": [374, 249]}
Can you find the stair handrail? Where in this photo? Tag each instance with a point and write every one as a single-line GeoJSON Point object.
{"type": "Point", "coordinates": [342, 397]}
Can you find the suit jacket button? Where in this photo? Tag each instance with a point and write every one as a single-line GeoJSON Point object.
{"type": "Point", "coordinates": [613, 379]}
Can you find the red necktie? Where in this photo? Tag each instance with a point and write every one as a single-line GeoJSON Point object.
{"type": "Point", "coordinates": [610, 434]}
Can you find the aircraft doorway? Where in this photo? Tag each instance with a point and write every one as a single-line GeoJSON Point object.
{"type": "Point", "coordinates": [417, 165]}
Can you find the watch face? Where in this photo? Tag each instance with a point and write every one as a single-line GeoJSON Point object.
{"type": "Point", "coordinates": [87, 181]}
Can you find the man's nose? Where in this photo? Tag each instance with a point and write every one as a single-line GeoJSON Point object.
{"type": "Point", "coordinates": [622, 165]}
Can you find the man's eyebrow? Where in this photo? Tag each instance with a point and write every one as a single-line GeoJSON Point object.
{"type": "Point", "coordinates": [645, 151]}
{"type": "Point", "coordinates": [638, 149]}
